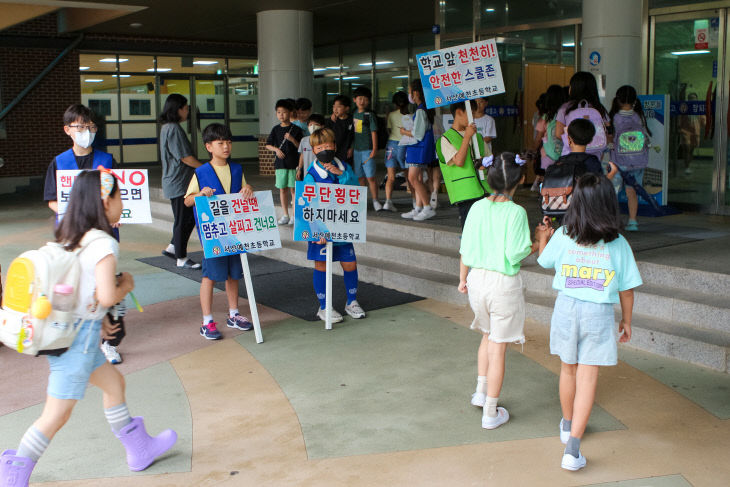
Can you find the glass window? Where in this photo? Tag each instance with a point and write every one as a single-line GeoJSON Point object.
{"type": "Point", "coordinates": [391, 52]}
{"type": "Point", "coordinates": [356, 56]}
{"type": "Point", "coordinates": [242, 66]}
{"type": "Point", "coordinates": [498, 13]}
{"type": "Point", "coordinates": [100, 93]}
{"type": "Point", "coordinates": [100, 62]}
{"type": "Point", "coordinates": [139, 114]}
{"type": "Point", "coordinates": [422, 42]}
{"type": "Point", "coordinates": [458, 15]}
{"type": "Point", "coordinates": [136, 64]}
{"type": "Point", "coordinates": [388, 84]}
{"type": "Point", "coordinates": [244, 116]}
{"type": "Point", "coordinates": [209, 100]}
{"type": "Point", "coordinates": [190, 64]}
{"type": "Point", "coordinates": [326, 59]}
{"type": "Point", "coordinates": [326, 88]}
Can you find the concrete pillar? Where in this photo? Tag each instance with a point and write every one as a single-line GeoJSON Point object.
{"type": "Point", "coordinates": [285, 60]}
{"type": "Point", "coordinates": [611, 47]}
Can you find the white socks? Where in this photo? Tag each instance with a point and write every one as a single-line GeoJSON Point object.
{"type": "Point", "coordinates": [118, 416]}
{"type": "Point", "coordinates": [181, 262]}
{"type": "Point", "coordinates": [207, 319]}
{"type": "Point", "coordinates": [482, 384]}
{"type": "Point", "coordinates": [232, 312]}
{"type": "Point", "coordinates": [490, 407]}
{"type": "Point", "coordinates": [33, 444]}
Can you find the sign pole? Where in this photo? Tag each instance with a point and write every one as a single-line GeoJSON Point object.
{"type": "Point", "coordinates": [474, 140]}
{"type": "Point", "coordinates": [251, 298]}
{"type": "Point", "coordinates": [328, 288]}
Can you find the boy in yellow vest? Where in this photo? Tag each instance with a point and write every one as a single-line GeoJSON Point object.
{"type": "Point", "coordinates": [462, 171]}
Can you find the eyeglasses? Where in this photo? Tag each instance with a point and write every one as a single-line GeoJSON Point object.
{"type": "Point", "coordinates": [82, 128]}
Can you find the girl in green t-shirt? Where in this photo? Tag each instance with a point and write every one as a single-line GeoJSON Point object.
{"type": "Point", "coordinates": [495, 239]}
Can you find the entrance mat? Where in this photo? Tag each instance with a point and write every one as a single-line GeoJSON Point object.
{"type": "Point", "coordinates": [288, 287]}
{"type": "Point", "coordinates": [401, 379]}
{"type": "Point", "coordinates": [707, 388]}
{"type": "Point", "coordinates": [86, 448]}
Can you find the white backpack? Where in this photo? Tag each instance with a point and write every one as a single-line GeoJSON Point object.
{"type": "Point", "coordinates": [37, 313]}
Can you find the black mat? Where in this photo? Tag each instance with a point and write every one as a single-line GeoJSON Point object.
{"type": "Point", "coordinates": [288, 287]}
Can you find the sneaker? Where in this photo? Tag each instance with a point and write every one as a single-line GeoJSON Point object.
{"type": "Point", "coordinates": [353, 309]}
{"type": "Point", "coordinates": [688, 171]}
{"type": "Point", "coordinates": [410, 214]}
{"type": "Point", "coordinates": [426, 213]}
{"type": "Point", "coordinates": [210, 331]}
{"type": "Point", "coordinates": [564, 435]}
{"type": "Point", "coordinates": [239, 323]}
{"type": "Point", "coordinates": [336, 317]}
{"type": "Point", "coordinates": [434, 203]}
{"type": "Point", "coordinates": [632, 226]}
{"type": "Point", "coordinates": [189, 264]}
{"type": "Point", "coordinates": [377, 206]}
{"type": "Point", "coordinates": [284, 220]}
{"type": "Point", "coordinates": [571, 463]}
{"type": "Point", "coordinates": [111, 354]}
{"type": "Point", "coordinates": [389, 206]}
{"type": "Point", "coordinates": [490, 423]}
{"type": "Point", "coordinates": [478, 399]}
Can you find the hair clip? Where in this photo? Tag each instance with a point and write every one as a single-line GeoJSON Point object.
{"type": "Point", "coordinates": [488, 161]}
{"type": "Point", "coordinates": [107, 181]}
{"type": "Point", "coordinates": [518, 160]}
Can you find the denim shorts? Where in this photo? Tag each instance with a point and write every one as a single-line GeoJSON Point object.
{"type": "Point", "coordinates": [219, 269]}
{"type": "Point", "coordinates": [363, 164]}
{"type": "Point", "coordinates": [395, 155]}
{"type": "Point", "coordinates": [71, 370]}
{"type": "Point", "coordinates": [637, 173]}
{"type": "Point", "coordinates": [583, 332]}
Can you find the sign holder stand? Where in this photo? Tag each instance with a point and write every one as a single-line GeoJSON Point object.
{"type": "Point", "coordinates": [328, 288]}
{"type": "Point", "coordinates": [251, 298]}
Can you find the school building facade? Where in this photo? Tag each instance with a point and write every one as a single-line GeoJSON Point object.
{"type": "Point", "coordinates": [124, 59]}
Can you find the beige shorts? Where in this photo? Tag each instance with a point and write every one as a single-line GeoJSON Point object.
{"type": "Point", "coordinates": [498, 303]}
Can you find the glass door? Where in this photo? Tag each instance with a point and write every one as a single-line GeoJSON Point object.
{"type": "Point", "coordinates": [688, 64]}
{"type": "Point", "coordinates": [209, 108]}
{"type": "Point", "coordinates": [507, 108]}
{"type": "Point", "coordinates": [182, 85]}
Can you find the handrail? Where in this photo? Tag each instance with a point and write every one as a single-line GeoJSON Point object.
{"type": "Point", "coordinates": [40, 77]}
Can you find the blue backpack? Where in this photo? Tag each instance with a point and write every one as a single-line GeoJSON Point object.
{"type": "Point", "coordinates": [553, 145]}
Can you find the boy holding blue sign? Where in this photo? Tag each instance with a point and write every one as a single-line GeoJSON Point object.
{"type": "Point", "coordinates": [328, 169]}
{"type": "Point", "coordinates": [219, 177]}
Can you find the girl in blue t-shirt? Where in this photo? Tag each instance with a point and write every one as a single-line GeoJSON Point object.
{"type": "Point", "coordinates": [594, 268]}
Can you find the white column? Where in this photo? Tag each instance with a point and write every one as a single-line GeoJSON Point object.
{"type": "Point", "coordinates": [612, 30]}
{"type": "Point", "coordinates": [285, 60]}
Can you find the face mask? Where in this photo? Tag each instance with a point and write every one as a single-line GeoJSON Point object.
{"type": "Point", "coordinates": [84, 139]}
{"type": "Point", "coordinates": [313, 128]}
{"type": "Point", "coordinates": [410, 99]}
{"type": "Point", "coordinates": [325, 156]}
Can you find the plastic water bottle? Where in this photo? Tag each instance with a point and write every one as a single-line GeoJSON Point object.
{"type": "Point", "coordinates": [63, 297]}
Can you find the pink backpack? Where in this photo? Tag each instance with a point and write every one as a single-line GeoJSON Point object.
{"type": "Point", "coordinates": [583, 110]}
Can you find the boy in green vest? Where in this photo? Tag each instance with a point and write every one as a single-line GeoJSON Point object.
{"type": "Point", "coordinates": [465, 179]}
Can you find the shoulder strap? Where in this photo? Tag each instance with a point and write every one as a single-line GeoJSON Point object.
{"type": "Point", "coordinates": [102, 159]}
{"type": "Point", "coordinates": [66, 161]}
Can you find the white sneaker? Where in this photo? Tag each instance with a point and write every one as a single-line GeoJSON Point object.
{"type": "Point", "coordinates": [284, 220]}
{"type": "Point", "coordinates": [377, 206]}
{"type": "Point", "coordinates": [490, 423]}
{"type": "Point", "coordinates": [571, 463]}
{"type": "Point", "coordinates": [478, 399]}
{"type": "Point", "coordinates": [389, 206]}
{"type": "Point", "coordinates": [434, 203]}
{"type": "Point", "coordinates": [564, 435]}
{"type": "Point", "coordinates": [411, 214]}
{"type": "Point", "coordinates": [426, 213]}
{"type": "Point", "coordinates": [353, 309]}
{"type": "Point", "coordinates": [336, 317]}
{"type": "Point", "coordinates": [111, 354]}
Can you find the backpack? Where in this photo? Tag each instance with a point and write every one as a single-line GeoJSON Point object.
{"type": "Point", "coordinates": [382, 130]}
{"type": "Point", "coordinates": [631, 141]}
{"type": "Point", "coordinates": [35, 317]}
{"type": "Point", "coordinates": [557, 186]}
{"type": "Point", "coordinates": [553, 145]}
{"type": "Point", "coordinates": [582, 110]}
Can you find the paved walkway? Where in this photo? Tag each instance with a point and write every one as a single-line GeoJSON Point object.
{"type": "Point", "coordinates": [382, 401]}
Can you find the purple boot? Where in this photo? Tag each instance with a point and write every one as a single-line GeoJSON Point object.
{"type": "Point", "coordinates": [142, 449]}
{"type": "Point", "coordinates": [14, 470]}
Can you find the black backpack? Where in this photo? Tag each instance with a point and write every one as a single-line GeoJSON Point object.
{"type": "Point", "coordinates": [558, 183]}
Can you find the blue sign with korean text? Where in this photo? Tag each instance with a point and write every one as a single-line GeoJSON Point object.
{"type": "Point", "coordinates": [335, 212]}
{"type": "Point", "coordinates": [230, 224]}
{"type": "Point", "coordinates": [460, 73]}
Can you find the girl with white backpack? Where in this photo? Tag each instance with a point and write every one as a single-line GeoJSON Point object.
{"type": "Point", "coordinates": [95, 204]}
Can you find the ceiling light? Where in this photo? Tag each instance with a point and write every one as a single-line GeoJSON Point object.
{"type": "Point", "coordinates": [83, 68]}
{"type": "Point", "coordinates": [319, 69]}
{"type": "Point", "coordinates": [366, 64]}
{"type": "Point", "coordinates": [332, 94]}
{"type": "Point", "coordinates": [351, 77]}
{"type": "Point", "coordinates": [121, 76]}
{"type": "Point", "coordinates": [568, 44]}
{"type": "Point", "coordinates": [333, 67]}
{"type": "Point", "coordinates": [90, 80]}
{"type": "Point", "coordinates": [113, 60]}
{"type": "Point", "coordinates": [159, 70]}
{"type": "Point", "coordinates": [205, 63]}
{"type": "Point", "coordinates": [687, 53]}
{"type": "Point", "coordinates": [400, 76]}
{"type": "Point", "coordinates": [490, 10]}
{"type": "Point", "coordinates": [135, 25]}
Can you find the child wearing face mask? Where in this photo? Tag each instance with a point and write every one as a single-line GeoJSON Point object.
{"type": "Point", "coordinates": [327, 169]}
{"type": "Point", "coordinates": [78, 123]}
{"type": "Point", "coordinates": [306, 156]}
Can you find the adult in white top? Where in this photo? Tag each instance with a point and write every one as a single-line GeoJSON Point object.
{"type": "Point", "coordinates": [485, 124]}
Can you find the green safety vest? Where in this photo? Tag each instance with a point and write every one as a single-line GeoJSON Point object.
{"type": "Point", "coordinates": [462, 182]}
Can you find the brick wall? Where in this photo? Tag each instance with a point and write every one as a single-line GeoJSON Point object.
{"type": "Point", "coordinates": [266, 158]}
{"type": "Point", "coordinates": [35, 126]}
